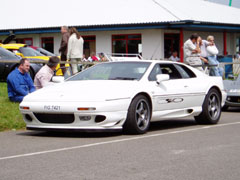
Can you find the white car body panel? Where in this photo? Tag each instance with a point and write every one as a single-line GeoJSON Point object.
{"type": "Point", "coordinates": [112, 98]}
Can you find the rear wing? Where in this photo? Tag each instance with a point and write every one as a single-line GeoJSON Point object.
{"type": "Point", "coordinates": [122, 57]}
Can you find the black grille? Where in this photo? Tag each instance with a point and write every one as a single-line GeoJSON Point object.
{"type": "Point", "coordinates": [55, 118]}
{"type": "Point", "coordinates": [235, 99]}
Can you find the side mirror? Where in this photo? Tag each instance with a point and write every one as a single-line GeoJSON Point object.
{"type": "Point", "coordinates": [162, 77]}
{"type": "Point", "coordinates": [57, 79]}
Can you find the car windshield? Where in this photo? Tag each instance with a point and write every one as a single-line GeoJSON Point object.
{"type": "Point", "coordinates": [6, 54]}
{"type": "Point", "coordinates": [27, 51]}
{"type": "Point", "coordinates": [45, 52]}
{"type": "Point", "coordinates": [113, 71]}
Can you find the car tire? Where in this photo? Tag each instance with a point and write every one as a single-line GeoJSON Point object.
{"type": "Point", "coordinates": [211, 109]}
{"type": "Point", "coordinates": [225, 108]}
{"type": "Point", "coordinates": [139, 116]}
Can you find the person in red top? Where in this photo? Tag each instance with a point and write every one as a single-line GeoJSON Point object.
{"type": "Point", "coordinates": [93, 57]}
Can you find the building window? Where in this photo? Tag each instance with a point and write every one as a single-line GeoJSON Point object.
{"type": "Point", "coordinates": [89, 45]}
{"type": "Point", "coordinates": [28, 41]}
{"type": "Point", "coordinates": [48, 43]}
{"type": "Point", "coordinates": [171, 44]}
{"type": "Point", "coordinates": [126, 43]}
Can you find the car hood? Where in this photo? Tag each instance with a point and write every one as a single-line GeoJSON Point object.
{"type": "Point", "coordinates": [83, 91]}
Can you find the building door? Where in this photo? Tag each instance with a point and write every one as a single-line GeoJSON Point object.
{"type": "Point", "coordinates": [89, 45]}
{"type": "Point", "coordinates": [48, 44]}
{"type": "Point", "coordinates": [171, 44]}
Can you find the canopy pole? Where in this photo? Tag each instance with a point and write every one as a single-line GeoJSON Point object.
{"type": "Point", "coordinates": [230, 2]}
{"type": "Point", "coordinates": [181, 45]}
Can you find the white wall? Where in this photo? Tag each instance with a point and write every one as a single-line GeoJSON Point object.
{"type": "Point", "coordinates": [104, 42]}
{"type": "Point", "coordinates": [153, 44]}
{"type": "Point", "coordinates": [152, 40]}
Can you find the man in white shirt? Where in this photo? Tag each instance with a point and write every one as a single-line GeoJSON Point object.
{"type": "Point", "coordinates": [192, 51]}
{"type": "Point", "coordinates": [45, 74]}
{"type": "Point", "coordinates": [174, 56]}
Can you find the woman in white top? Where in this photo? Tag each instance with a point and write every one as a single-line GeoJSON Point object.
{"type": "Point", "coordinates": [212, 58]}
{"type": "Point", "coordinates": [75, 48]}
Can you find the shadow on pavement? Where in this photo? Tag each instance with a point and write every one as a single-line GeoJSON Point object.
{"type": "Point", "coordinates": [233, 109]}
{"type": "Point", "coordinates": [154, 126]}
{"type": "Point", "coordinates": [68, 134]}
{"type": "Point", "coordinates": [171, 124]}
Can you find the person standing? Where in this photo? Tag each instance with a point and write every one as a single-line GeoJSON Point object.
{"type": "Point", "coordinates": [203, 46]}
{"type": "Point", "coordinates": [192, 51]}
{"type": "Point", "coordinates": [19, 82]}
{"type": "Point", "coordinates": [75, 48]}
{"type": "Point", "coordinates": [212, 58]}
{"type": "Point", "coordinates": [63, 46]}
{"type": "Point", "coordinates": [45, 74]}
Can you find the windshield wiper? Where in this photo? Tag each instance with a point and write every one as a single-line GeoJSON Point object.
{"type": "Point", "coordinates": [122, 78]}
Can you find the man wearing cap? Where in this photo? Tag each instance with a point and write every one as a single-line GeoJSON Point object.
{"type": "Point", "coordinates": [45, 74]}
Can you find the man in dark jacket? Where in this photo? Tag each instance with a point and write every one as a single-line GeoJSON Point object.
{"type": "Point", "coordinates": [19, 82]}
{"type": "Point", "coordinates": [63, 46]}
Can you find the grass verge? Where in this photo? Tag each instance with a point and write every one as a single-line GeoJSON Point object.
{"type": "Point", "coordinates": [10, 116]}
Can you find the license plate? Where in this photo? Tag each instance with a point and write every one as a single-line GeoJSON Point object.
{"type": "Point", "coordinates": [51, 108]}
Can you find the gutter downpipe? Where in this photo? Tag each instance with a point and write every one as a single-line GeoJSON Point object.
{"type": "Point", "coordinates": [224, 43]}
{"type": "Point", "coordinates": [181, 45]}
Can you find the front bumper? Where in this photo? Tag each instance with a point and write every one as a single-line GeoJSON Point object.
{"type": "Point", "coordinates": [107, 116]}
{"type": "Point", "coordinates": [233, 101]}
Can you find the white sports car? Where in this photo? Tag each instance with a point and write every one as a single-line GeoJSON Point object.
{"type": "Point", "coordinates": [125, 95]}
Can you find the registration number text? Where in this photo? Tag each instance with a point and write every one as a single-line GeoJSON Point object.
{"type": "Point", "coordinates": [51, 108]}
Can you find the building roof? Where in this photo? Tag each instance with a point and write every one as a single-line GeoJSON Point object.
{"type": "Point", "coordinates": [29, 14]}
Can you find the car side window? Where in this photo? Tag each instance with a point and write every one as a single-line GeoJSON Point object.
{"type": "Point", "coordinates": [185, 71]}
{"type": "Point", "coordinates": [169, 69]}
{"type": "Point", "coordinates": [155, 71]}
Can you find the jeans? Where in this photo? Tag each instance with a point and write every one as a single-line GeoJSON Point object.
{"type": "Point", "coordinates": [214, 71]}
{"type": "Point", "coordinates": [16, 98]}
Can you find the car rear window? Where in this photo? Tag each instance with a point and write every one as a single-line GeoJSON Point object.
{"type": "Point", "coordinates": [5, 54]}
{"type": "Point", "coordinates": [27, 51]}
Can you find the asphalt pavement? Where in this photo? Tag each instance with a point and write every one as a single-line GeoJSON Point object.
{"type": "Point", "coordinates": [171, 150]}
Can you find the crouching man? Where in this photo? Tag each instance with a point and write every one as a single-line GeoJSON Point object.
{"type": "Point", "coordinates": [19, 82]}
{"type": "Point", "coordinates": [45, 74]}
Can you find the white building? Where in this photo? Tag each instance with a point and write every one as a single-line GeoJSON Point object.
{"type": "Point", "coordinates": [154, 28]}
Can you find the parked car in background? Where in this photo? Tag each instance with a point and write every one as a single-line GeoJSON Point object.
{"type": "Point", "coordinates": [125, 95]}
{"type": "Point", "coordinates": [23, 50]}
{"type": "Point", "coordinates": [233, 93]}
{"type": "Point", "coordinates": [43, 51]}
{"type": "Point", "coordinates": [6, 68]}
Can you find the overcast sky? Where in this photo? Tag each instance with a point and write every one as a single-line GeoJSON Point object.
{"type": "Point", "coordinates": [235, 3]}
